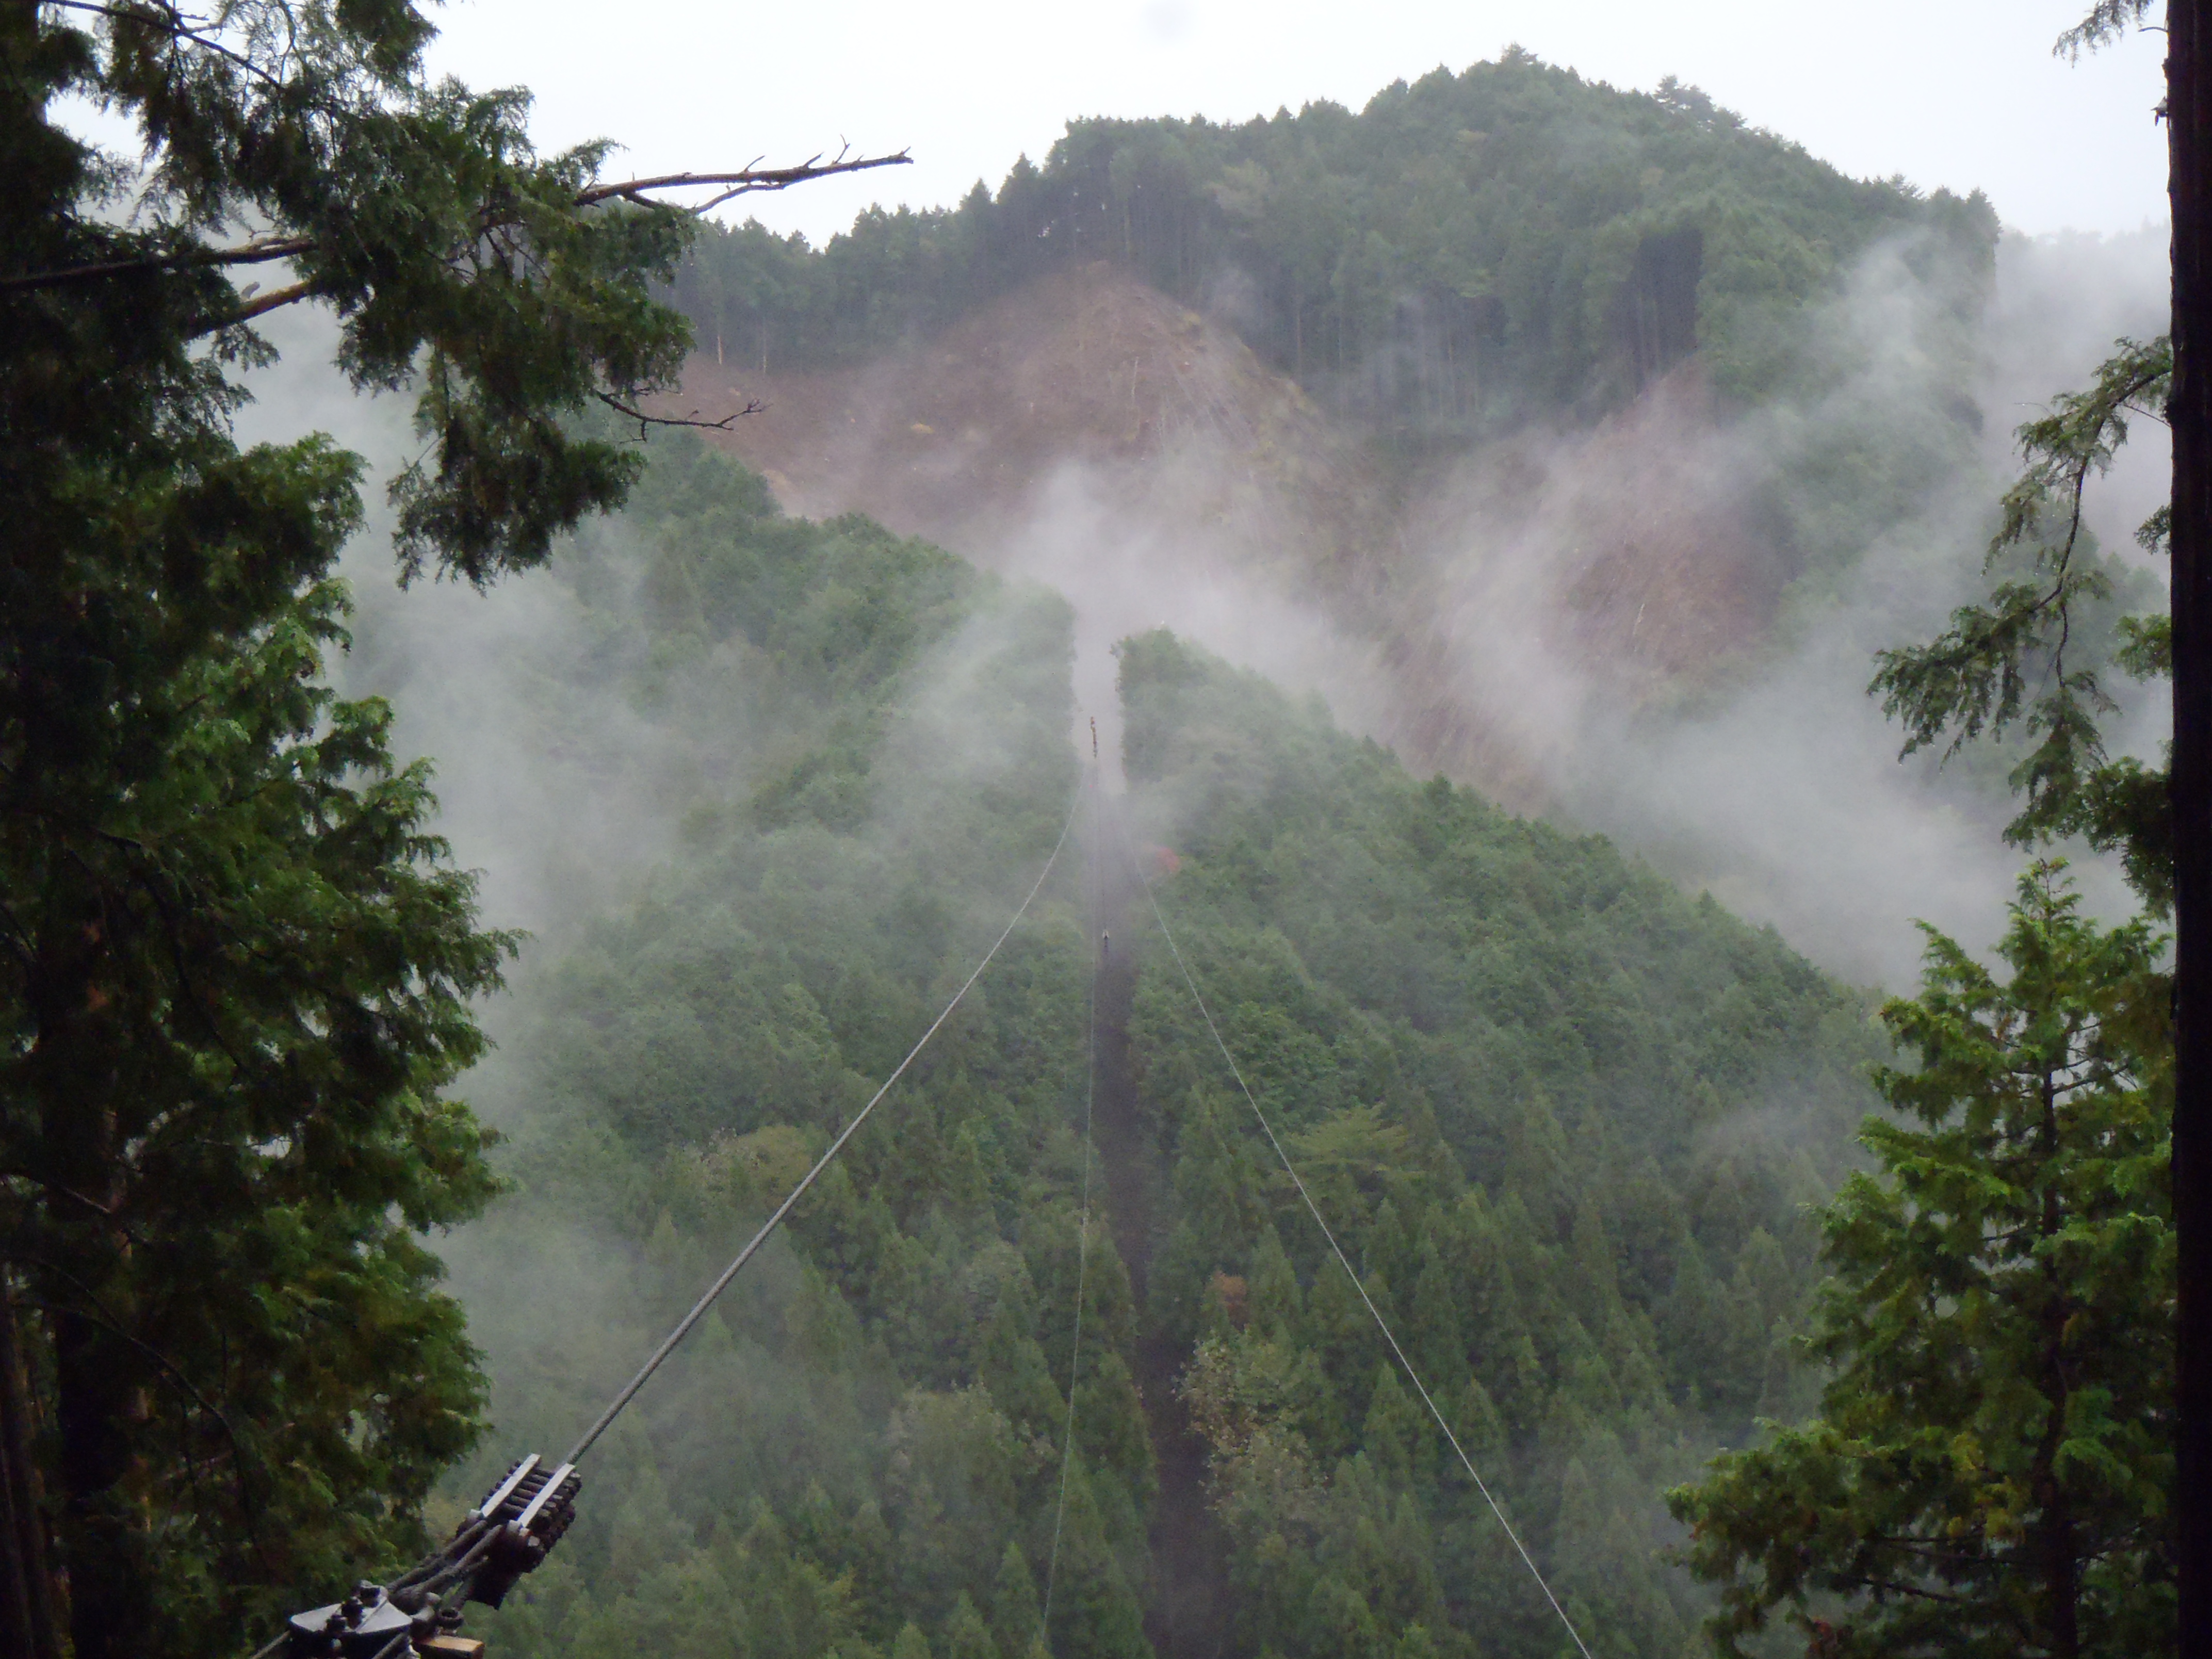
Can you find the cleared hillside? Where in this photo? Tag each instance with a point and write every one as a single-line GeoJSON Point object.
{"type": "Point", "coordinates": [1508, 397]}
{"type": "Point", "coordinates": [1623, 552]}
{"type": "Point", "coordinates": [1466, 253]}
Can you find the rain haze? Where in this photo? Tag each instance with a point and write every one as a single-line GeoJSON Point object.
{"type": "Point", "coordinates": [1963, 98]}
{"type": "Point", "coordinates": [1468, 552]}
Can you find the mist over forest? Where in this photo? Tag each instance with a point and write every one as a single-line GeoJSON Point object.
{"type": "Point", "coordinates": [1410, 577]}
{"type": "Point", "coordinates": [757, 786]}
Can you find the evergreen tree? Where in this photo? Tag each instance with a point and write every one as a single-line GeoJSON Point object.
{"type": "Point", "coordinates": [2038, 654]}
{"type": "Point", "coordinates": [966, 1635]}
{"type": "Point", "coordinates": [1992, 1472]}
{"type": "Point", "coordinates": [1015, 1614]}
{"type": "Point", "coordinates": [238, 967]}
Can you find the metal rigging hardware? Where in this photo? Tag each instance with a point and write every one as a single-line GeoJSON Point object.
{"type": "Point", "coordinates": [514, 1528]}
{"type": "Point", "coordinates": [507, 1535]}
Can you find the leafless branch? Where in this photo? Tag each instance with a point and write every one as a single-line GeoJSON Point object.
{"type": "Point", "coordinates": [269, 301]}
{"type": "Point", "coordinates": [745, 181]}
{"type": "Point", "coordinates": [171, 20]}
{"type": "Point", "coordinates": [102, 1210]}
{"type": "Point", "coordinates": [629, 411]}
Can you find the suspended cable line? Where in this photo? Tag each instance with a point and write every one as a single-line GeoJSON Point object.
{"type": "Point", "coordinates": [1337, 1249]}
{"type": "Point", "coordinates": [1082, 1224]}
{"type": "Point", "coordinates": [699, 1309]}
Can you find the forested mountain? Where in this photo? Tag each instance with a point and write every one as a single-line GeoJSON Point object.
{"type": "Point", "coordinates": [1051, 1362]}
{"type": "Point", "coordinates": [1467, 252]}
{"type": "Point", "coordinates": [1563, 1116]}
{"type": "Point", "coordinates": [1509, 398]}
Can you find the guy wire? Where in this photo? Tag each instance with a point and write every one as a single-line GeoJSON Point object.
{"type": "Point", "coordinates": [1343, 1261]}
{"type": "Point", "coordinates": [1083, 1225]}
{"type": "Point", "coordinates": [699, 1309]}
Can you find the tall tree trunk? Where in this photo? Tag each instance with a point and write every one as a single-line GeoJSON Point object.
{"type": "Point", "coordinates": [101, 1527]}
{"type": "Point", "coordinates": [2188, 136]}
{"type": "Point", "coordinates": [31, 1630]}
{"type": "Point", "coordinates": [103, 1531]}
{"type": "Point", "coordinates": [2062, 1569]}
{"type": "Point", "coordinates": [17, 1640]}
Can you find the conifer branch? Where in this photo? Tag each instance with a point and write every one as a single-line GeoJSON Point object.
{"type": "Point", "coordinates": [745, 181]}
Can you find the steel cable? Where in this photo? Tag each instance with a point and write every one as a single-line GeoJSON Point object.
{"type": "Point", "coordinates": [1336, 1250]}
{"type": "Point", "coordinates": [1083, 1225]}
{"type": "Point", "coordinates": [699, 1309]}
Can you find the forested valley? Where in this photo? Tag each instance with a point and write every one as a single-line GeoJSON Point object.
{"type": "Point", "coordinates": [1301, 1204]}
{"type": "Point", "coordinates": [1566, 1119]}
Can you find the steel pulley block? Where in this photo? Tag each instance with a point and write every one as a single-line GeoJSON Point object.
{"type": "Point", "coordinates": [533, 1507]}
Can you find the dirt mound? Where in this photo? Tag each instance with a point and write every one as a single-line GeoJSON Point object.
{"type": "Point", "coordinates": [1092, 433]}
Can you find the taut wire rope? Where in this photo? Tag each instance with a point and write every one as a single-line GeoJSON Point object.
{"type": "Point", "coordinates": [1337, 1249]}
{"type": "Point", "coordinates": [1083, 1225]}
{"type": "Point", "coordinates": [699, 1309]}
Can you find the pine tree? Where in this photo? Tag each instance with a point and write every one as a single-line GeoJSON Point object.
{"type": "Point", "coordinates": [1993, 1469]}
{"type": "Point", "coordinates": [238, 967]}
{"type": "Point", "coordinates": [1014, 1612]}
{"type": "Point", "coordinates": [966, 1635]}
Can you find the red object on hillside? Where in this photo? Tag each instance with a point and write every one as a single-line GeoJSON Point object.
{"type": "Point", "coordinates": [1165, 862]}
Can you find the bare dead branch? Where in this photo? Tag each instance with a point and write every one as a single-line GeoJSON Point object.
{"type": "Point", "coordinates": [743, 182]}
{"type": "Point", "coordinates": [629, 411]}
{"type": "Point", "coordinates": [172, 22]}
{"type": "Point", "coordinates": [261, 303]}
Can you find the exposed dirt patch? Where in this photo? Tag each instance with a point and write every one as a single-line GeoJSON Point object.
{"type": "Point", "coordinates": [952, 439]}
{"type": "Point", "coordinates": [1091, 432]}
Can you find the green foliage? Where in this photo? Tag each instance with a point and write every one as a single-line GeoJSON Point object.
{"type": "Point", "coordinates": [1992, 1470]}
{"type": "Point", "coordinates": [252, 970]}
{"type": "Point", "coordinates": [2106, 22]}
{"type": "Point", "coordinates": [417, 211]}
{"type": "Point", "coordinates": [238, 968]}
{"type": "Point", "coordinates": [1466, 252]}
{"type": "Point", "coordinates": [887, 1387]}
{"type": "Point", "coordinates": [1566, 1118]}
{"type": "Point", "coordinates": [1562, 1118]}
{"type": "Point", "coordinates": [2035, 654]}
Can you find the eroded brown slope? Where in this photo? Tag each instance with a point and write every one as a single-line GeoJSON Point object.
{"type": "Point", "coordinates": [1089, 431]}
{"type": "Point", "coordinates": [959, 439]}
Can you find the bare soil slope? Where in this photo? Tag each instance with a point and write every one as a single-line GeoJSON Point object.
{"type": "Point", "coordinates": [1091, 432]}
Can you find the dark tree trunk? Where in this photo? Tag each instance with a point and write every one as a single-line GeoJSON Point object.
{"type": "Point", "coordinates": [98, 1406]}
{"type": "Point", "coordinates": [2189, 129]}
{"type": "Point", "coordinates": [31, 1630]}
{"type": "Point", "coordinates": [2058, 1547]}
{"type": "Point", "coordinates": [98, 1402]}
{"type": "Point", "coordinates": [2061, 1573]}
{"type": "Point", "coordinates": [18, 1637]}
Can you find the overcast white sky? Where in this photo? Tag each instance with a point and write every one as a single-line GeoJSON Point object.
{"type": "Point", "coordinates": [1961, 93]}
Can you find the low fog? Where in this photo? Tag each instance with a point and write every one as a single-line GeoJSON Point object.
{"type": "Point", "coordinates": [1776, 783]}
{"type": "Point", "coordinates": [1781, 789]}
{"type": "Point", "coordinates": [1599, 622]}
{"type": "Point", "coordinates": [1588, 624]}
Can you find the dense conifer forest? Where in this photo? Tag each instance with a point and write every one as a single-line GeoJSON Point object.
{"type": "Point", "coordinates": [1469, 250]}
{"type": "Point", "coordinates": [1564, 1117]}
{"type": "Point", "coordinates": [1737, 1310]}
